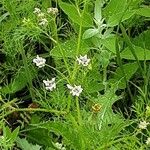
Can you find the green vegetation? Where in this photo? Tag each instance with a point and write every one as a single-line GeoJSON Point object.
{"type": "Point", "coordinates": [74, 75]}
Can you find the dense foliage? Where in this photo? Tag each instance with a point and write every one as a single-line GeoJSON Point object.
{"type": "Point", "coordinates": [74, 74]}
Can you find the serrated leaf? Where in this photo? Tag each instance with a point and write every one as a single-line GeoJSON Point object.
{"type": "Point", "coordinates": [75, 15]}
{"type": "Point", "coordinates": [106, 114]}
{"type": "Point", "coordinates": [129, 69]}
{"type": "Point", "coordinates": [25, 145]}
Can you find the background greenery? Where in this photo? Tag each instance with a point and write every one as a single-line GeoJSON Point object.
{"type": "Point", "coordinates": [116, 91]}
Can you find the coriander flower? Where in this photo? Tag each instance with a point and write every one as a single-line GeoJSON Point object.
{"type": "Point", "coordinates": [39, 61]}
{"type": "Point", "coordinates": [143, 124]}
{"type": "Point", "coordinates": [43, 22]}
{"type": "Point", "coordinates": [75, 90]}
{"type": "Point", "coordinates": [53, 11]}
{"type": "Point", "coordinates": [83, 60]}
{"type": "Point", "coordinates": [36, 11]}
{"type": "Point", "coordinates": [41, 15]}
{"type": "Point", "coordinates": [50, 84]}
{"type": "Point", "coordinates": [59, 146]}
{"type": "Point", "coordinates": [148, 141]}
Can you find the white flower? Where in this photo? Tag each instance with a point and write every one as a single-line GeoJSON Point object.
{"type": "Point", "coordinates": [43, 22]}
{"type": "Point", "coordinates": [50, 84]}
{"type": "Point", "coordinates": [143, 124]}
{"type": "Point", "coordinates": [83, 60]}
{"type": "Point", "coordinates": [41, 15]}
{"type": "Point", "coordinates": [148, 141]}
{"type": "Point", "coordinates": [75, 90]}
{"type": "Point", "coordinates": [59, 146]}
{"type": "Point", "coordinates": [39, 61]}
{"type": "Point", "coordinates": [52, 10]}
{"type": "Point", "coordinates": [36, 10]}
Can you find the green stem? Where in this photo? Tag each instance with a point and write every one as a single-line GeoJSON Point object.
{"type": "Point", "coordinates": [78, 110]}
{"type": "Point", "coordinates": [77, 53]}
{"type": "Point", "coordinates": [129, 43]}
{"type": "Point", "coordinates": [69, 103]}
{"type": "Point", "coordinates": [61, 51]}
{"type": "Point", "coordinates": [34, 110]}
{"type": "Point", "coordinates": [62, 75]}
{"type": "Point", "coordinates": [27, 73]}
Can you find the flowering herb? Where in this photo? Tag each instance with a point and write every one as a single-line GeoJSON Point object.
{"type": "Point", "coordinates": [75, 90]}
{"type": "Point", "coordinates": [43, 22]}
{"type": "Point", "coordinates": [143, 124]}
{"type": "Point", "coordinates": [83, 60]}
{"type": "Point", "coordinates": [148, 141]}
{"type": "Point", "coordinates": [39, 61]}
{"type": "Point", "coordinates": [53, 11]}
{"type": "Point", "coordinates": [36, 11]}
{"type": "Point", "coordinates": [50, 84]}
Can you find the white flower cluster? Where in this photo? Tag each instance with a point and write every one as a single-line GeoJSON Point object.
{"type": "Point", "coordinates": [53, 11]}
{"type": "Point", "coordinates": [39, 61]}
{"type": "Point", "coordinates": [75, 90]}
{"type": "Point", "coordinates": [148, 141]}
{"type": "Point", "coordinates": [59, 146]}
{"type": "Point", "coordinates": [51, 84]}
{"type": "Point", "coordinates": [83, 60]}
{"type": "Point", "coordinates": [41, 17]}
{"type": "Point", "coordinates": [143, 124]}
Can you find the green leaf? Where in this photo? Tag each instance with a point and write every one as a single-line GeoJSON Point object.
{"type": "Point", "coordinates": [14, 134]}
{"type": "Point", "coordinates": [121, 16]}
{"type": "Point", "coordinates": [115, 12]}
{"type": "Point", "coordinates": [141, 53]}
{"type": "Point", "coordinates": [90, 33]}
{"type": "Point", "coordinates": [19, 81]}
{"type": "Point", "coordinates": [142, 40]}
{"type": "Point", "coordinates": [25, 145]}
{"type": "Point", "coordinates": [97, 10]}
{"type": "Point", "coordinates": [114, 7]}
{"type": "Point", "coordinates": [144, 11]}
{"type": "Point", "coordinates": [109, 43]}
{"type": "Point", "coordinates": [41, 136]}
{"type": "Point", "coordinates": [106, 115]}
{"type": "Point", "coordinates": [93, 81]}
{"type": "Point", "coordinates": [69, 49]}
{"type": "Point", "coordinates": [63, 129]}
{"type": "Point", "coordinates": [3, 16]}
{"type": "Point", "coordinates": [129, 69]}
{"type": "Point", "coordinates": [75, 15]}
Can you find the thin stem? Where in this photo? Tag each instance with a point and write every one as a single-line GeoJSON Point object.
{"type": "Point", "coordinates": [78, 110]}
{"type": "Point", "coordinates": [129, 43]}
{"type": "Point", "coordinates": [27, 73]}
{"type": "Point", "coordinates": [77, 53]}
{"type": "Point", "coordinates": [58, 72]}
{"type": "Point", "coordinates": [69, 103]}
{"type": "Point", "coordinates": [34, 110]}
